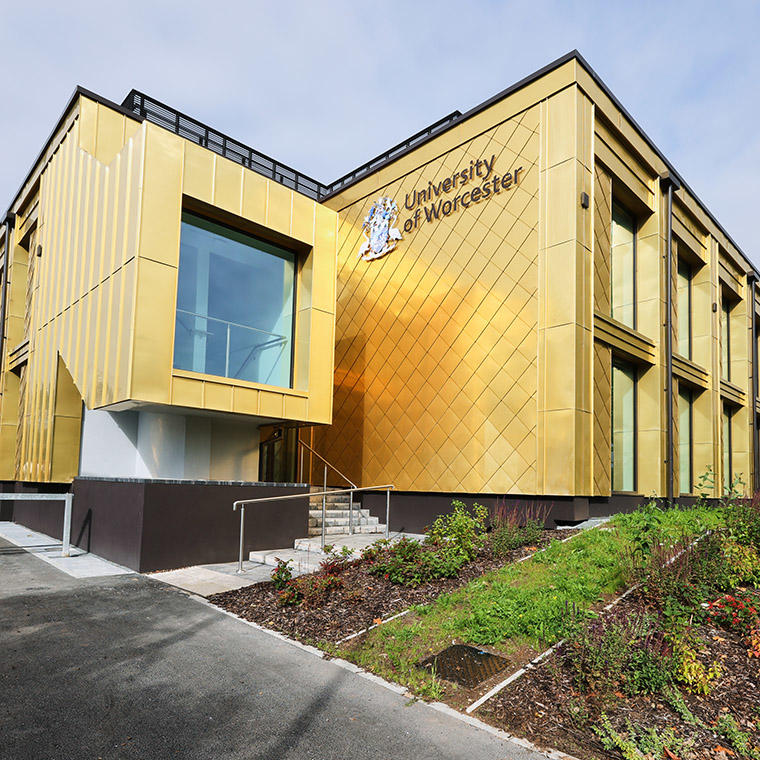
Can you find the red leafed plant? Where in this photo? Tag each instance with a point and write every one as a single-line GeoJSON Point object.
{"type": "Point", "coordinates": [738, 612]}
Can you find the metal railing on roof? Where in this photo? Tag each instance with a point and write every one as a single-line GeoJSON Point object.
{"type": "Point", "coordinates": [395, 152]}
{"type": "Point", "coordinates": [203, 135]}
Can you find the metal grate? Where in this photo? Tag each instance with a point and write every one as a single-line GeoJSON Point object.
{"type": "Point", "coordinates": [464, 664]}
{"type": "Point", "coordinates": [191, 129]}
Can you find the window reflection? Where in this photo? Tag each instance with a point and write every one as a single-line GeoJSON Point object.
{"type": "Point", "coordinates": [623, 427]}
{"type": "Point", "coordinates": [235, 302]}
{"type": "Point", "coordinates": [623, 267]}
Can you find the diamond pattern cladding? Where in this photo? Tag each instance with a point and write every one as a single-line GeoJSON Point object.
{"type": "Point", "coordinates": [436, 343]}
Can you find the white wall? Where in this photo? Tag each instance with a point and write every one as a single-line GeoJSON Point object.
{"type": "Point", "coordinates": [156, 445]}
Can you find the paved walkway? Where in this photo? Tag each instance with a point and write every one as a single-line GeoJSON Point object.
{"type": "Point", "coordinates": [80, 564]}
{"type": "Point", "coordinates": [125, 667]}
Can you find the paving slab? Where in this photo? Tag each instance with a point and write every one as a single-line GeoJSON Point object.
{"type": "Point", "coordinates": [206, 580]}
{"type": "Point", "coordinates": [80, 564]}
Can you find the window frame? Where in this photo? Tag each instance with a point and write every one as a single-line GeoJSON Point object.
{"type": "Point", "coordinates": [689, 305]}
{"type": "Point", "coordinates": [727, 446]}
{"type": "Point", "coordinates": [635, 234]}
{"type": "Point", "coordinates": [240, 231]}
{"type": "Point", "coordinates": [635, 371]}
{"type": "Point", "coordinates": [689, 393]}
{"type": "Point", "coordinates": [725, 311]}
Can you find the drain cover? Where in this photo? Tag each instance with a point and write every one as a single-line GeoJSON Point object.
{"type": "Point", "coordinates": [465, 665]}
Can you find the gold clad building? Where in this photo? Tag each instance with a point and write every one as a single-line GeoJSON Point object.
{"type": "Point", "coordinates": [524, 300]}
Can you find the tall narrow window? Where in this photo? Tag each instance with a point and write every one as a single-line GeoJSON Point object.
{"type": "Point", "coordinates": [623, 267]}
{"type": "Point", "coordinates": [684, 308]}
{"type": "Point", "coordinates": [725, 339]}
{"type": "Point", "coordinates": [623, 427]}
{"type": "Point", "coordinates": [728, 475]}
{"type": "Point", "coordinates": [235, 301]}
{"type": "Point", "coordinates": [685, 447]}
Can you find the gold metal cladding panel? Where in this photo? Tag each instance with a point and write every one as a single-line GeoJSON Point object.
{"type": "Point", "coordinates": [81, 290]}
{"type": "Point", "coordinates": [98, 304]}
{"type": "Point", "coordinates": [602, 419]}
{"type": "Point", "coordinates": [435, 376]}
{"type": "Point", "coordinates": [602, 225]}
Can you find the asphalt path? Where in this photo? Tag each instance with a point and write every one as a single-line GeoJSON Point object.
{"type": "Point", "coordinates": [127, 667]}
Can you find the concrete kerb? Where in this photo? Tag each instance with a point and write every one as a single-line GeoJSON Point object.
{"type": "Point", "coordinates": [390, 685]}
{"type": "Point", "coordinates": [402, 690]}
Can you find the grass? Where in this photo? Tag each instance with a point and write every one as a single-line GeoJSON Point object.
{"type": "Point", "coordinates": [522, 608]}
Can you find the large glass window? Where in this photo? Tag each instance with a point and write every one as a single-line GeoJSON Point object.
{"type": "Point", "coordinates": [623, 267]}
{"type": "Point", "coordinates": [727, 442]}
{"type": "Point", "coordinates": [684, 308]}
{"type": "Point", "coordinates": [725, 338]}
{"type": "Point", "coordinates": [685, 412]}
{"type": "Point", "coordinates": [623, 427]}
{"type": "Point", "coordinates": [235, 302]}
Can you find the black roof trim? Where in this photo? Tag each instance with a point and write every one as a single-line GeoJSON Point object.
{"type": "Point", "coordinates": [420, 138]}
{"type": "Point", "coordinates": [572, 55]}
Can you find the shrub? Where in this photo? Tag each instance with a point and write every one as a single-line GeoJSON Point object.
{"type": "Point", "coordinates": [282, 573]}
{"type": "Point", "coordinates": [735, 612]}
{"type": "Point", "coordinates": [743, 520]}
{"type": "Point", "coordinates": [690, 671]}
{"type": "Point", "coordinates": [513, 527]}
{"type": "Point", "coordinates": [411, 563]}
{"type": "Point", "coordinates": [336, 561]}
{"type": "Point", "coordinates": [599, 651]}
{"type": "Point", "coordinates": [309, 590]}
{"type": "Point", "coordinates": [650, 667]}
{"type": "Point", "coordinates": [464, 528]}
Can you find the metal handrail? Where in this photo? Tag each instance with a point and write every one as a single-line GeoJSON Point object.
{"type": "Point", "coordinates": [66, 498]}
{"type": "Point", "coordinates": [331, 466]}
{"type": "Point", "coordinates": [242, 502]}
{"type": "Point", "coordinates": [324, 484]}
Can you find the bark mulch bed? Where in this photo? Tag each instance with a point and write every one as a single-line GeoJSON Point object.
{"type": "Point", "coordinates": [362, 600]}
{"type": "Point", "coordinates": [544, 707]}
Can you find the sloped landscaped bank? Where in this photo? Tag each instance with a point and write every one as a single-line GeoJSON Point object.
{"type": "Point", "coordinates": [350, 595]}
{"type": "Point", "coordinates": [362, 599]}
{"type": "Point", "coordinates": [549, 707]}
{"type": "Point", "coordinates": [517, 611]}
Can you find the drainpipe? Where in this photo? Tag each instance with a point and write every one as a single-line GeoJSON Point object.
{"type": "Point", "coordinates": [752, 282]}
{"type": "Point", "coordinates": [10, 220]}
{"type": "Point", "coordinates": [668, 184]}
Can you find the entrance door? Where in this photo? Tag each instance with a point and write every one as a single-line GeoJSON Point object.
{"type": "Point", "coordinates": [278, 456]}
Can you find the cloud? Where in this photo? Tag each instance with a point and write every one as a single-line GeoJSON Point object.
{"type": "Point", "coordinates": [326, 86]}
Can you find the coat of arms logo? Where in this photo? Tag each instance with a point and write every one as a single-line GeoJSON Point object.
{"type": "Point", "coordinates": [381, 236]}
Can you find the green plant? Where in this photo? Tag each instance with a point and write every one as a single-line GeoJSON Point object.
{"type": "Point", "coordinates": [411, 563]}
{"type": "Point", "coordinates": [690, 671]}
{"type": "Point", "coordinates": [516, 526]}
{"type": "Point", "coordinates": [743, 520]}
{"type": "Point", "coordinates": [705, 486]}
{"type": "Point", "coordinates": [282, 573]}
{"type": "Point", "coordinates": [598, 651]}
{"type": "Point", "coordinates": [742, 563]}
{"type": "Point", "coordinates": [463, 527]}
{"type": "Point", "coordinates": [676, 701]}
{"type": "Point", "coordinates": [648, 671]}
{"type": "Point", "coordinates": [612, 740]}
{"type": "Point", "coordinates": [738, 739]}
{"type": "Point", "coordinates": [640, 741]}
{"type": "Point", "coordinates": [310, 590]}
{"type": "Point", "coordinates": [336, 561]}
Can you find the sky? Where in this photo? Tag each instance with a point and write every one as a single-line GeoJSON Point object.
{"type": "Point", "coordinates": [326, 85]}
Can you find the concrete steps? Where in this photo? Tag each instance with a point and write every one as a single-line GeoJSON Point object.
{"type": "Point", "coordinates": [337, 520]}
